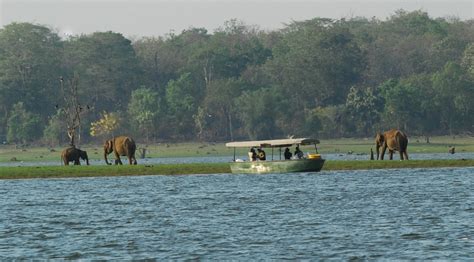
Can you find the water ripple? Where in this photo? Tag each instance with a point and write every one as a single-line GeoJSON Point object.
{"type": "Point", "coordinates": [405, 214]}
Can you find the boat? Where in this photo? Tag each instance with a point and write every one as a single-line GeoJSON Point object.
{"type": "Point", "coordinates": [312, 162]}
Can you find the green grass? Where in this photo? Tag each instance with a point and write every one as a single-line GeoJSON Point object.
{"type": "Point", "coordinates": [206, 168]}
{"type": "Point", "coordinates": [196, 149]}
{"type": "Point", "coordinates": [387, 164]}
{"type": "Point", "coordinates": [98, 171]}
{"type": "Point", "coordinates": [438, 144]}
{"type": "Point", "coordinates": [340, 146]}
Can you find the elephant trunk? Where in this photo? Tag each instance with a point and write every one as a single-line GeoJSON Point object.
{"type": "Point", "coordinates": [87, 159]}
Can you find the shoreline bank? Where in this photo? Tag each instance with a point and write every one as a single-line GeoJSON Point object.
{"type": "Point", "coordinates": [28, 172]}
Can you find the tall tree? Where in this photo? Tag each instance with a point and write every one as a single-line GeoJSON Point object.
{"type": "Point", "coordinates": [30, 58]}
{"type": "Point", "coordinates": [181, 98]}
{"type": "Point", "coordinates": [107, 66]}
{"type": "Point", "coordinates": [144, 110]}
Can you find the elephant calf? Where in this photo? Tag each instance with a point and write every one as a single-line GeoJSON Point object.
{"type": "Point", "coordinates": [72, 154]}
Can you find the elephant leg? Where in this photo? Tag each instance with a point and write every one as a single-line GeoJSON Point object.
{"type": "Point", "coordinates": [401, 155]}
{"type": "Point", "coordinates": [66, 162]}
{"type": "Point", "coordinates": [382, 154]}
{"type": "Point", "coordinates": [132, 160]}
{"type": "Point", "coordinates": [406, 154]}
{"type": "Point", "coordinates": [77, 162]}
{"type": "Point", "coordinates": [390, 152]}
{"type": "Point", "coordinates": [117, 159]}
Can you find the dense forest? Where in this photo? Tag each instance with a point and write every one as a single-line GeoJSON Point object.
{"type": "Point", "coordinates": [323, 78]}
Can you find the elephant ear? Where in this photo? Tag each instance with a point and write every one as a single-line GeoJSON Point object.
{"type": "Point", "coordinates": [379, 138]}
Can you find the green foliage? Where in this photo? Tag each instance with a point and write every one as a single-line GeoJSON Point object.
{"type": "Point", "coordinates": [402, 105]}
{"type": "Point", "coordinates": [468, 60]}
{"type": "Point", "coordinates": [144, 109]}
{"type": "Point", "coordinates": [258, 111]}
{"type": "Point", "coordinates": [107, 66]}
{"type": "Point", "coordinates": [364, 108]}
{"type": "Point", "coordinates": [455, 95]}
{"type": "Point", "coordinates": [181, 98]}
{"type": "Point", "coordinates": [317, 59]}
{"type": "Point", "coordinates": [54, 130]}
{"type": "Point", "coordinates": [30, 58]}
{"type": "Point", "coordinates": [319, 77]}
{"type": "Point", "coordinates": [220, 109]}
{"type": "Point", "coordinates": [23, 126]}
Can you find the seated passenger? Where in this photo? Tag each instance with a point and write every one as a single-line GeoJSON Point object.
{"type": "Point", "coordinates": [261, 154]}
{"type": "Point", "coordinates": [252, 154]}
{"type": "Point", "coordinates": [287, 154]}
{"type": "Point", "coordinates": [298, 153]}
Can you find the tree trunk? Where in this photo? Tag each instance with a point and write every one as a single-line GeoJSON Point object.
{"type": "Point", "coordinates": [231, 133]}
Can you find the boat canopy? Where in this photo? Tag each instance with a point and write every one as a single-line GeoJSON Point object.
{"type": "Point", "coordinates": [274, 143]}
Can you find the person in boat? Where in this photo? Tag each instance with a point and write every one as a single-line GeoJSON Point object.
{"type": "Point", "coordinates": [298, 153]}
{"type": "Point", "coordinates": [287, 154]}
{"type": "Point", "coordinates": [261, 154]}
{"type": "Point", "coordinates": [252, 154]}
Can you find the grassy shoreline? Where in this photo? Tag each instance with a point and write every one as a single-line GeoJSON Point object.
{"type": "Point", "coordinates": [197, 149]}
{"type": "Point", "coordinates": [204, 168]}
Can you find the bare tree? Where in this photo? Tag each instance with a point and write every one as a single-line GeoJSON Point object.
{"type": "Point", "coordinates": [72, 110]}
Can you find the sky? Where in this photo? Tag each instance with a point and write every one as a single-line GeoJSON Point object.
{"type": "Point", "coordinates": [138, 18]}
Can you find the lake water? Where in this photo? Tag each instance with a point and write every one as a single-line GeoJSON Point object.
{"type": "Point", "coordinates": [406, 214]}
{"type": "Point", "coordinates": [226, 159]}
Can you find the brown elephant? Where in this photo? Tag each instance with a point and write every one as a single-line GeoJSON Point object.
{"type": "Point", "coordinates": [72, 154]}
{"type": "Point", "coordinates": [394, 140]}
{"type": "Point", "coordinates": [121, 146]}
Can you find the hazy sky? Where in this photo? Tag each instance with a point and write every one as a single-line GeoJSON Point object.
{"type": "Point", "coordinates": [159, 17]}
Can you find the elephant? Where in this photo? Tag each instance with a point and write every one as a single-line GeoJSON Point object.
{"type": "Point", "coordinates": [72, 154]}
{"type": "Point", "coordinates": [394, 140]}
{"type": "Point", "coordinates": [121, 146]}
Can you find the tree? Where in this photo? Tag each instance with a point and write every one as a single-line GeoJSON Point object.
{"type": "Point", "coordinates": [53, 133]}
{"type": "Point", "coordinates": [144, 109]}
{"type": "Point", "coordinates": [219, 107]}
{"type": "Point", "coordinates": [108, 68]}
{"type": "Point", "coordinates": [403, 45]}
{"type": "Point", "coordinates": [364, 108]}
{"type": "Point", "coordinates": [316, 63]}
{"type": "Point", "coordinates": [455, 95]}
{"type": "Point", "coordinates": [258, 111]}
{"type": "Point", "coordinates": [105, 126]}
{"type": "Point", "coordinates": [73, 110]}
{"type": "Point", "coordinates": [23, 126]}
{"type": "Point", "coordinates": [402, 107]}
{"type": "Point", "coordinates": [181, 98]}
{"type": "Point", "coordinates": [468, 60]}
{"type": "Point", "coordinates": [30, 58]}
